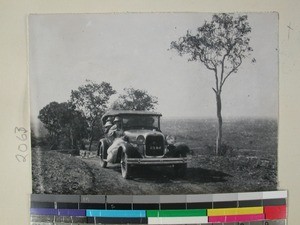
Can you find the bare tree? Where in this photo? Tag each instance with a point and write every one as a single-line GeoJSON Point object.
{"type": "Point", "coordinates": [221, 45]}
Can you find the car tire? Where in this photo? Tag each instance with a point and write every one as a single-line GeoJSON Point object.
{"type": "Point", "coordinates": [103, 163]}
{"type": "Point", "coordinates": [180, 170]}
{"type": "Point", "coordinates": [125, 168]}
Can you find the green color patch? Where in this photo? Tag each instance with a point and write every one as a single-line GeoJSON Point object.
{"type": "Point", "coordinates": [176, 213]}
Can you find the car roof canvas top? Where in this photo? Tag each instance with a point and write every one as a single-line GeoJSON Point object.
{"type": "Point", "coordinates": [128, 112]}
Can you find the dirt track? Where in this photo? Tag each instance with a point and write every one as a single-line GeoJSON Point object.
{"type": "Point", "coordinates": [65, 174]}
{"type": "Point", "coordinates": [62, 173]}
{"type": "Point", "coordinates": [144, 180]}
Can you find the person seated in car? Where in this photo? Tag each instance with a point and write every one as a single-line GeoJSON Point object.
{"type": "Point", "coordinates": [107, 126]}
{"type": "Point", "coordinates": [116, 130]}
{"type": "Point", "coordinates": [116, 133]}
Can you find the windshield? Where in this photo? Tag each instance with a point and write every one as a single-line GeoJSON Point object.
{"type": "Point", "coordinates": [140, 122]}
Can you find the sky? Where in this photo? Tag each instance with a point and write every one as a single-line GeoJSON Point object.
{"type": "Point", "coordinates": [132, 50]}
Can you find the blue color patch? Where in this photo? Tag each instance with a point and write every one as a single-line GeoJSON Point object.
{"type": "Point", "coordinates": [71, 212]}
{"type": "Point", "coordinates": [43, 211]}
{"type": "Point", "coordinates": [116, 213]}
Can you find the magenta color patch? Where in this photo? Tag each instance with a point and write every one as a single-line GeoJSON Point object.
{"type": "Point", "coordinates": [236, 218]}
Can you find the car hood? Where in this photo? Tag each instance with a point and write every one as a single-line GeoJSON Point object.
{"type": "Point", "coordinates": [133, 134]}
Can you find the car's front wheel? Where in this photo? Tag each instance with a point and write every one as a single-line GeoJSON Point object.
{"type": "Point", "coordinates": [125, 168]}
{"type": "Point", "coordinates": [103, 163]}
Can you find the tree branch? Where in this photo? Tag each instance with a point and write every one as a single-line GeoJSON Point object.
{"type": "Point", "coordinates": [233, 69]}
{"type": "Point", "coordinates": [222, 70]}
{"type": "Point", "coordinates": [210, 68]}
{"type": "Point", "coordinates": [223, 60]}
{"type": "Point", "coordinates": [205, 62]}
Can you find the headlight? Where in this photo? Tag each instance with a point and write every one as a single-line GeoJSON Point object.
{"type": "Point", "coordinates": [170, 139]}
{"type": "Point", "coordinates": [125, 138]}
{"type": "Point", "coordinates": [140, 139]}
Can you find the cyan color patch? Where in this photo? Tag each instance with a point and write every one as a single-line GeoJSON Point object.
{"type": "Point", "coordinates": [116, 213]}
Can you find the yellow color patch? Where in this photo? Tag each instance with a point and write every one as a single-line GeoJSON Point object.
{"type": "Point", "coordinates": [235, 211]}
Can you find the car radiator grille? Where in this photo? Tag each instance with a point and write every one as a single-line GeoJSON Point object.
{"type": "Point", "coordinates": [154, 146]}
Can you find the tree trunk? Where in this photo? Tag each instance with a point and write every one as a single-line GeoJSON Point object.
{"type": "Point", "coordinates": [90, 144]}
{"type": "Point", "coordinates": [71, 139]}
{"type": "Point", "coordinates": [91, 136]}
{"type": "Point", "coordinates": [219, 115]}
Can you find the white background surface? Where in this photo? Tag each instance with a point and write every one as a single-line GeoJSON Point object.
{"type": "Point", "coordinates": [15, 186]}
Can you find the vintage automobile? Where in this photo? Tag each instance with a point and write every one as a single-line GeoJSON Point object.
{"type": "Point", "coordinates": [140, 142]}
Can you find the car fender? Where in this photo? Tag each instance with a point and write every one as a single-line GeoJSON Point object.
{"type": "Point", "coordinates": [103, 142]}
{"type": "Point", "coordinates": [182, 148]}
{"type": "Point", "coordinates": [129, 150]}
{"type": "Point", "coordinates": [178, 149]}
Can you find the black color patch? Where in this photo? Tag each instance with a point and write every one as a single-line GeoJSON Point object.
{"type": "Point", "coordinates": [49, 205]}
{"type": "Point", "coordinates": [225, 204]}
{"type": "Point", "coordinates": [250, 203]}
{"type": "Point", "coordinates": [62, 205]}
{"type": "Point", "coordinates": [173, 206]}
{"type": "Point", "coordinates": [279, 201]}
{"type": "Point", "coordinates": [91, 206]}
{"type": "Point", "coordinates": [146, 206]}
{"type": "Point", "coordinates": [118, 206]}
{"type": "Point", "coordinates": [199, 205]}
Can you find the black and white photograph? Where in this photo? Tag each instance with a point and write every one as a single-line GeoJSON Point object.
{"type": "Point", "coordinates": [153, 103]}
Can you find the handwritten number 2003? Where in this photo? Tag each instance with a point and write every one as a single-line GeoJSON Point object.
{"type": "Point", "coordinates": [21, 134]}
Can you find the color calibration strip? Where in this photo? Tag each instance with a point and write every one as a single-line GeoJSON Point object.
{"type": "Point", "coordinates": [261, 208]}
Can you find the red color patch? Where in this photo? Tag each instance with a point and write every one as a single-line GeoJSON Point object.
{"type": "Point", "coordinates": [275, 212]}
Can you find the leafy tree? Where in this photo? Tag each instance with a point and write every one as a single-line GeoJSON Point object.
{"type": "Point", "coordinates": [135, 99]}
{"type": "Point", "coordinates": [50, 117]}
{"type": "Point", "coordinates": [220, 45]}
{"type": "Point", "coordinates": [91, 99]}
{"type": "Point", "coordinates": [63, 122]}
{"type": "Point", "coordinates": [75, 126]}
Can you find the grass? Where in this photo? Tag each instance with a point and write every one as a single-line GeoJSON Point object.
{"type": "Point", "coordinates": [258, 135]}
{"type": "Point", "coordinates": [252, 161]}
